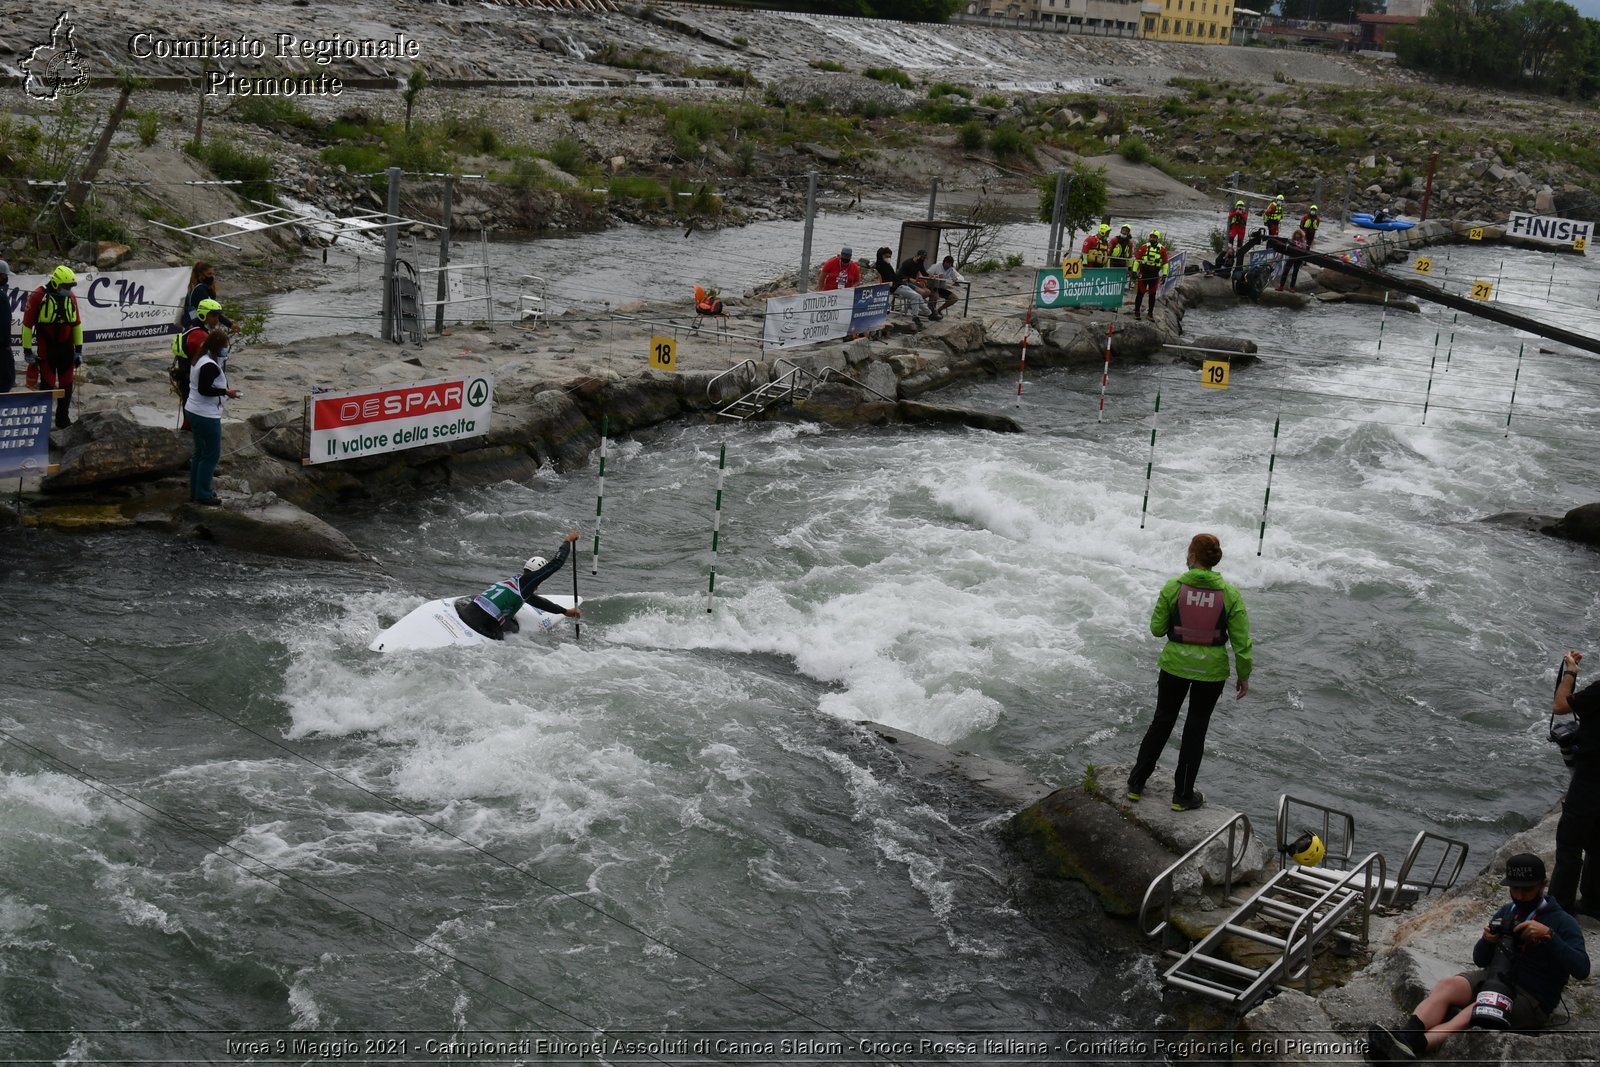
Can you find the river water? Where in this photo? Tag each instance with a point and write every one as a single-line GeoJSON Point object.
{"type": "Point", "coordinates": [670, 824]}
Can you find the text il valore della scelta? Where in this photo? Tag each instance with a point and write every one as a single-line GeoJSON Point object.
{"type": "Point", "coordinates": [282, 47]}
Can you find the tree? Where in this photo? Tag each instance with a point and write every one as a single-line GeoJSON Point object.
{"type": "Point", "coordinates": [1087, 196]}
{"type": "Point", "coordinates": [415, 83]}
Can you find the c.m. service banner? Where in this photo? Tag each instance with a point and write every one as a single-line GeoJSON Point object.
{"type": "Point", "coordinates": [119, 307]}
{"type": "Point", "coordinates": [372, 421]}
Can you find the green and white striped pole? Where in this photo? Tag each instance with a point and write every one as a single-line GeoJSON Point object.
{"type": "Point", "coordinates": [600, 493]}
{"type": "Point", "coordinates": [1427, 395]}
{"type": "Point", "coordinates": [1448, 352]}
{"type": "Point", "coordinates": [1515, 378]}
{"type": "Point", "coordinates": [1151, 462]}
{"type": "Point", "coordinates": [716, 526]}
{"type": "Point", "coordinates": [1551, 287]}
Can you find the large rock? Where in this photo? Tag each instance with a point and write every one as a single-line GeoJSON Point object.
{"type": "Point", "coordinates": [268, 525]}
{"type": "Point", "coordinates": [110, 447]}
{"type": "Point", "coordinates": [1581, 524]}
{"type": "Point", "coordinates": [939, 415]}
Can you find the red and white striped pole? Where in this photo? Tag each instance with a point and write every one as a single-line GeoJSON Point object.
{"type": "Point", "coordinates": [1022, 368]}
{"type": "Point", "coordinates": [1105, 374]}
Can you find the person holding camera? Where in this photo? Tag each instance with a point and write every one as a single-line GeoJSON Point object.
{"type": "Point", "coordinates": [1526, 954]}
{"type": "Point", "coordinates": [1576, 883]}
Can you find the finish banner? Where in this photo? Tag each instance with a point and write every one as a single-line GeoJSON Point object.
{"type": "Point", "coordinates": [396, 417]}
{"type": "Point", "coordinates": [1092, 287]}
{"type": "Point", "coordinates": [815, 318]}
{"type": "Point", "coordinates": [1549, 229]}
{"type": "Point", "coordinates": [120, 308]}
{"type": "Point", "coordinates": [25, 434]}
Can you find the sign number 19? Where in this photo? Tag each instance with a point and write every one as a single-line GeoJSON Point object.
{"type": "Point", "coordinates": [1214, 374]}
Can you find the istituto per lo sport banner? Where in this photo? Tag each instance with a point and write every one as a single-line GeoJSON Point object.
{"type": "Point", "coordinates": [1094, 287]}
{"type": "Point", "coordinates": [119, 307]}
{"type": "Point", "coordinates": [813, 318]}
{"type": "Point", "coordinates": [372, 421]}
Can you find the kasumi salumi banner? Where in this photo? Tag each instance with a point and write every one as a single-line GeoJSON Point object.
{"type": "Point", "coordinates": [352, 424]}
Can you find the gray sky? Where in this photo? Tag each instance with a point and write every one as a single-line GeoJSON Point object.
{"type": "Point", "coordinates": [1588, 8]}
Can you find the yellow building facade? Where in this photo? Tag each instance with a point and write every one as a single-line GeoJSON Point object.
{"type": "Point", "coordinates": [1190, 21]}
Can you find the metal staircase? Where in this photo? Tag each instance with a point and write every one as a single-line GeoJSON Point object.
{"type": "Point", "coordinates": [795, 383]}
{"type": "Point", "coordinates": [1271, 937]}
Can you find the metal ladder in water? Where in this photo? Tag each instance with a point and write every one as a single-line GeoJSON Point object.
{"type": "Point", "coordinates": [795, 383]}
{"type": "Point", "coordinates": [1295, 911]}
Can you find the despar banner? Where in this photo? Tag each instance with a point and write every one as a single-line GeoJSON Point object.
{"type": "Point", "coordinates": [120, 308]}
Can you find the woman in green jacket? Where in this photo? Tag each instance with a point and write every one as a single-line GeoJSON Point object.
{"type": "Point", "coordinates": [1199, 614]}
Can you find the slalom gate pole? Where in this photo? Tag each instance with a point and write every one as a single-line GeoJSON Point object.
{"type": "Point", "coordinates": [1427, 395]}
{"type": "Point", "coordinates": [716, 526]}
{"type": "Point", "coordinates": [1451, 350]}
{"type": "Point", "coordinates": [1514, 380]}
{"type": "Point", "coordinates": [1384, 318]}
{"type": "Point", "coordinates": [1105, 374]}
{"type": "Point", "coordinates": [1022, 368]}
{"type": "Point", "coordinates": [1551, 287]}
{"type": "Point", "coordinates": [577, 627]}
{"type": "Point", "coordinates": [1497, 276]}
{"type": "Point", "coordinates": [600, 493]}
{"type": "Point", "coordinates": [1149, 463]}
{"type": "Point", "coordinates": [1272, 463]}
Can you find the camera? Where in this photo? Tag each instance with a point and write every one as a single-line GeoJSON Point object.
{"type": "Point", "coordinates": [1564, 735]}
{"type": "Point", "coordinates": [1492, 1008]}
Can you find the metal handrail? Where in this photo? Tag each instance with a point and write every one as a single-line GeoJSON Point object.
{"type": "Point", "coordinates": [829, 374]}
{"type": "Point", "coordinates": [1437, 881]}
{"type": "Point", "coordinates": [1316, 932]}
{"type": "Point", "coordinates": [1235, 857]}
{"type": "Point", "coordinates": [736, 367]}
{"type": "Point", "coordinates": [1349, 835]}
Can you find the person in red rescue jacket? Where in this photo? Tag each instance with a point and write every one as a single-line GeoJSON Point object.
{"type": "Point", "coordinates": [51, 319]}
{"type": "Point", "coordinates": [1238, 220]}
{"type": "Point", "coordinates": [1308, 225]}
{"type": "Point", "coordinates": [1149, 266]}
{"type": "Point", "coordinates": [1097, 248]}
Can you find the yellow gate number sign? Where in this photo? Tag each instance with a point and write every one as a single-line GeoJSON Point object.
{"type": "Point", "coordinates": [1482, 290]}
{"type": "Point", "coordinates": [1072, 268]}
{"type": "Point", "coordinates": [1579, 244]}
{"type": "Point", "coordinates": [1214, 374]}
{"type": "Point", "coordinates": [663, 353]}
{"type": "Point", "coordinates": [1475, 234]}
{"type": "Point", "coordinates": [1423, 265]}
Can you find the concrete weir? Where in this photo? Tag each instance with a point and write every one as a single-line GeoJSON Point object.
{"type": "Point", "coordinates": [1089, 833]}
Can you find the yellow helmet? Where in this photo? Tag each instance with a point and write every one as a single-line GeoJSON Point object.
{"type": "Point", "coordinates": [1105, 228]}
{"type": "Point", "coordinates": [1280, 198]}
{"type": "Point", "coordinates": [1313, 209]}
{"type": "Point", "coordinates": [63, 275]}
{"type": "Point", "coordinates": [1155, 235]}
{"type": "Point", "coordinates": [1238, 203]}
{"type": "Point", "coordinates": [207, 306]}
{"type": "Point", "coordinates": [1307, 850]}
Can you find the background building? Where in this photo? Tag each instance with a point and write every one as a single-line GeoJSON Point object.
{"type": "Point", "coordinates": [1115, 18]}
{"type": "Point", "coordinates": [1191, 21]}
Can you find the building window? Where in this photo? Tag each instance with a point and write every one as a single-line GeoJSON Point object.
{"type": "Point", "coordinates": [1213, 32]}
{"type": "Point", "coordinates": [1166, 26]}
{"type": "Point", "coordinates": [1189, 32]}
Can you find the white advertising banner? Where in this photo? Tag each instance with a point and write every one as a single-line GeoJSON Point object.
{"type": "Point", "coordinates": [372, 421]}
{"type": "Point", "coordinates": [120, 308]}
{"type": "Point", "coordinates": [1548, 229]}
{"type": "Point", "coordinates": [808, 319]}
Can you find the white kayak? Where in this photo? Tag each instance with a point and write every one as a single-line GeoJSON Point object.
{"type": "Point", "coordinates": [436, 625]}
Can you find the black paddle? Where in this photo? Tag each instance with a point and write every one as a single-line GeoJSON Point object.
{"type": "Point", "coordinates": [577, 627]}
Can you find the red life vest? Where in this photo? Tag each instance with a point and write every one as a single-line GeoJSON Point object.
{"type": "Point", "coordinates": [1199, 617]}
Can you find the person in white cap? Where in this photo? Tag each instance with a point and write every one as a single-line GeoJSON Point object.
{"type": "Point", "coordinates": [8, 365]}
{"type": "Point", "coordinates": [493, 612]}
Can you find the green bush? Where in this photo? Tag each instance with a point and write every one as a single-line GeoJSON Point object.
{"type": "Point", "coordinates": [744, 158]}
{"type": "Point", "coordinates": [942, 112]}
{"type": "Point", "coordinates": [985, 266]}
{"type": "Point", "coordinates": [272, 112]}
{"type": "Point", "coordinates": [690, 126]}
{"type": "Point", "coordinates": [970, 136]}
{"type": "Point", "coordinates": [938, 89]}
{"type": "Point", "coordinates": [232, 163]}
{"type": "Point", "coordinates": [891, 75]}
{"type": "Point", "coordinates": [149, 125]}
{"type": "Point", "coordinates": [827, 64]}
{"type": "Point", "coordinates": [1134, 150]}
{"type": "Point", "coordinates": [356, 158]}
{"type": "Point", "coordinates": [1008, 142]}
{"type": "Point", "coordinates": [995, 101]}
{"type": "Point", "coordinates": [724, 74]}
{"type": "Point", "coordinates": [567, 153]}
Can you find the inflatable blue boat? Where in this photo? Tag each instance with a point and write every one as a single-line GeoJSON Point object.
{"type": "Point", "coordinates": [1362, 218]}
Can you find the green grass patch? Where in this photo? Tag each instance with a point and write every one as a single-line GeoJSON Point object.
{"type": "Point", "coordinates": [1134, 150]}
{"type": "Point", "coordinates": [232, 163]}
{"type": "Point", "coordinates": [690, 126]}
{"type": "Point", "coordinates": [889, 75]}
{"type": "Point", "coordinates": [938, 89]}
{"type": "Point", "coordinates": [828, 65]}
{"type": "Point", "coordinates": [273, 113]}
{"type": "Point", "coordinates": [970, 136]}
{"type": "Point", "coordinates": [567, 153]}
{"type": "Point", "coordinates": [1008, 142]}
{"type": "Point", "coordinates": [637, 187]}
{"type": "Point", "coordinates": [724, 74]}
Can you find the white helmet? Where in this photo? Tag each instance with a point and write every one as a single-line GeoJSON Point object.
{"type": "Point", "coordinates": [534, 563]}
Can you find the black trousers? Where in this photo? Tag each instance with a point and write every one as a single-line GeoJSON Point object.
{"type": "Point", "coordinates": [1170, 692]}
{"type": "Point", "coordinates": [1576, 877]}
{"type": "Point", "coordinates": [483, 622]}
